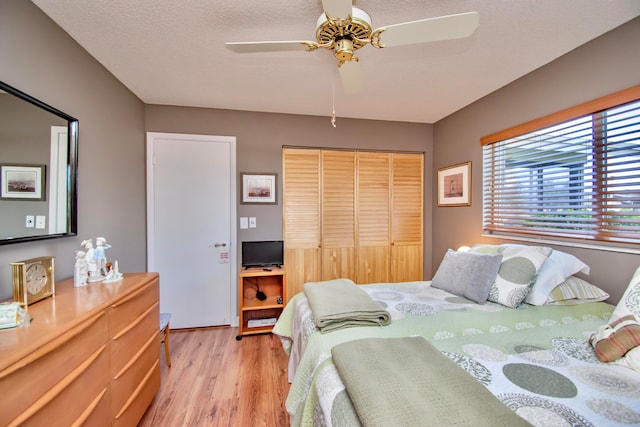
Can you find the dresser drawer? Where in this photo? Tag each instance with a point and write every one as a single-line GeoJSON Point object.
{"type": "Point", "coordinates": [128, 309]}
{"type": "Point", "coordinates": [125, 346]}
{"type": "Point", "coordinates": [39, 372]}
{"type": "Point", "coordinates": [133, 373]}
{"type": "Point", "coordinates": [99, 413]}
{"type": "Point", "coordinates": [68, 400]}
{"type": "Point", "coordinates": [140, 399]}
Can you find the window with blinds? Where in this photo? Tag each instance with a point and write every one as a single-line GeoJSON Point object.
{"type": "Point", "coordinates": [577, 177]}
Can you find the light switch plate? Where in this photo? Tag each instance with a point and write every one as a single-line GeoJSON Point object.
{"type": "Point", "coordinates": [40, 221]}
{"type": "Point", "coordinates": [244, 222]}
{"type": "Point", "coordinates": [30, 221]}
{"type": "Point", "coordinates": [252, 222]}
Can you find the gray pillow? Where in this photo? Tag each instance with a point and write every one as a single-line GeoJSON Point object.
{"type": "Point", "coordinates": [467, 274]}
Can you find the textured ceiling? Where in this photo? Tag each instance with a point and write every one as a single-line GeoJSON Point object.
{"type": "Point", "coordinates": [172, 52]}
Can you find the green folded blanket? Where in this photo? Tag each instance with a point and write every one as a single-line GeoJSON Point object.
{"type": "Point", "coordinates": [340, 303]}
{"type": "Point", "coordinates": [408, 382]}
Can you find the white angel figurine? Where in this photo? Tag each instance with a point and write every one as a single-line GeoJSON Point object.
{"type": "Point", "coordinates": [94, 275]}
{"type": "Point", "coordinates": [80, 270]}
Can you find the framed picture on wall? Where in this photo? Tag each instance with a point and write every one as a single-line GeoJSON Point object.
{"type": "Point", "coordinates": [259, 188]}
{"type": "Point", "coordinates": [22, 182]}
{"type": "Point", "coordinates": [454, 185]}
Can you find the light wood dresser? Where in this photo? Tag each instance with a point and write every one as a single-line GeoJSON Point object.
{"type": "Point", "coordinates": [91, 356]}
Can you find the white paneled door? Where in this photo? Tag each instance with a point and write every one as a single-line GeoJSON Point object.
{"type": "Point", "coordinates": [191, 203]}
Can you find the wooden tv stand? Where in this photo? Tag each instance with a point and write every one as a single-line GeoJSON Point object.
{"type": "Point", "coordinates": [272, 282]}
{"type": "Point", "coordinates": [91, 356]}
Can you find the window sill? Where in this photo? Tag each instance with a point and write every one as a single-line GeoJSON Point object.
{"type": "Point", "coordinates": [624, 250]}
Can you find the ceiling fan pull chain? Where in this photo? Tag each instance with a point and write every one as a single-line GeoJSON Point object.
{"type": "Point", "coordinates": [333, 92]}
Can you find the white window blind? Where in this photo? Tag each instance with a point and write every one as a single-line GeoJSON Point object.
{"type": "Point", "coordinates": [578, 179]}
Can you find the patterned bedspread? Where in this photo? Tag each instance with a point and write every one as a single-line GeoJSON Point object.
{"type": "Point", "coordinates": [536, 360]}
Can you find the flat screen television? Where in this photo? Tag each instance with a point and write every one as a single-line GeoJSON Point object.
{"type": "Point", "coordinates": [263, 253]}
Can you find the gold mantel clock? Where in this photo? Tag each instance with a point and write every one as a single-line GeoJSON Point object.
{"type": "Point", "coordinates": [33, 280]}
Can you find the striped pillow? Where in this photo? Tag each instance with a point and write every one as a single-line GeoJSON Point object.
{"type": "Point", "coordinates": [575, 291]}
{"type": "Point", "coordinates": [613, 341]}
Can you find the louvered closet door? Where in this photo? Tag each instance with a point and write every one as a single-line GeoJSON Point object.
{"type": "Point", "coordinates": [301, 218]}
{"type": "Point", "coordinates": [406, 218]}
{"type": "Point", "coordinates": [373, 217]}
{"type": "Point", "coordinates": [338, 215]}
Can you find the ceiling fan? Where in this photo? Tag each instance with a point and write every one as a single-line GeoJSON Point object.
{"type": "Point", "coordinates": [344, 29]}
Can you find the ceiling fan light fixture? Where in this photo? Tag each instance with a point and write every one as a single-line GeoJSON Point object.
{"type": "Point", "coordinates": [356, 28]}
{"type": "Point", "coordinates": [343, 50]}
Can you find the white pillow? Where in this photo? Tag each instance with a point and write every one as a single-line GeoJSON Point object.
{"type": "Point", "coordinates": [555, 270]}
{"type": "Point", "coordinates": [485, 249]}
{"type": "Point", "coordinates": [631, 360]}
{"type": "Point", "coordinates": [629, 304]}
{"type": "Point", "coordinates": [630, 301]}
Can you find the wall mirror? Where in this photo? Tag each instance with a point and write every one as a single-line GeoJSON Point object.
{"type": "Point", "coordinates": [38, 169]}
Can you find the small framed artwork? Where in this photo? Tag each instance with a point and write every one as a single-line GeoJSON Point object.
{"type": "Point", "coordinates": [259, 188]}
{"type": "Point", "coordinates": [454, 185]}
{"type": "Point", "coordinates": [22, 182]}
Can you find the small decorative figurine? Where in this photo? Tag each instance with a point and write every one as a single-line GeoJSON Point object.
{"type": "Point", "coordinates": [114, 274]}
{"type": "Point", "coordinates": [100, 256]}
{"type": "Point", "coordinates": [94, 275]}
{"type": "Point", "coordinates": [81, 270]}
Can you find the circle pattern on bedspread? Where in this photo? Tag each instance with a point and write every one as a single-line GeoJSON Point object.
{"type": "Point", "coordinates": [409, 289]}
{"type": "Point", "coordinates": [459, 300]}
{"type": "Point", "coordinates": [525, 348]}
{"type": "Point", "coordinates": [541, 411]}
{"type": "Point", "coordinates": [607, 381]}
{"type": "Point", "coordinates": [484, 352]}
{"type": "Point", "coordinates": [614, 411]}
{"type": "Point", "coordinates": [416, 309]}
{"type": "Point", "coordinates": [476, 369]}
{"type": "Point", "coordinates": [545, 357]}
{"type": "Point", "coordinates": [576, 348]}
{"type": "Point", "coordinates": [489, 307]}
{"type": "Point", "coordinates": [387, 296]}
{"type": "Point", "coordinates": [540, 380]}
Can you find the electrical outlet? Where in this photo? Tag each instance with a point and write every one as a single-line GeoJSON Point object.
{"type": "Point", "coordinates": [252, 222]}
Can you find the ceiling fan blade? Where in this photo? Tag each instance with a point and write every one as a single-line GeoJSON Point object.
{"type": "Point", "coordinates": [337, 8]}
{"type": "Point", "coordinates": [428, 30]}
{"type": "Point", "coordinates": [351, 77]}
{"type": "Point", "coordinates": [278, 46]}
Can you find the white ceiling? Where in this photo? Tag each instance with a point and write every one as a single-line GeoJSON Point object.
{"type": "Point", "coordinates": [172, 52]}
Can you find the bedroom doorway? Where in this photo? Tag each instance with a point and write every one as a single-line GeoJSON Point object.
{"type": "Point", "coordinates": [191, 227]}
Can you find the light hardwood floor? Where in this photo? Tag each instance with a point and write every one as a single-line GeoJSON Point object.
{"type": "Point", "coordinates": [215, 380]}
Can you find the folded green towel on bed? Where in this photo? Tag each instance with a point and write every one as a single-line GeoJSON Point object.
{"type": "Point", "coordinates": [338, 304]}
{"type": "Point", "coordinates": [408, 382]}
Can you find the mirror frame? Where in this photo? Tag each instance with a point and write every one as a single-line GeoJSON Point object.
{"type": "Point", "coordinates": [72, 168]}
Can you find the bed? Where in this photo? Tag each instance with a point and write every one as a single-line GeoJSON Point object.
{"type": "Point", "coordinates": [535, 359]}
